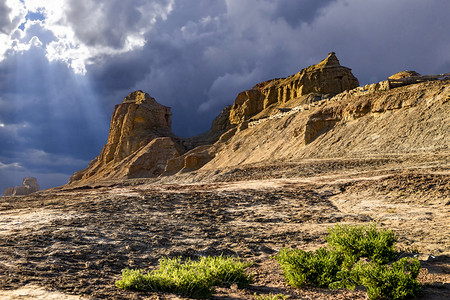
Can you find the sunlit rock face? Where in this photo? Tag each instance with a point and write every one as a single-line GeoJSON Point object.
{"type": "Point", "coordinates": [404, 74]}
{"type": "Point", "coordinates": [139, 144]}
{"type": "Point", "coordinates": [135, 122]}
{"type": "Point", "coordinates": [327, 77]}
{"type": "Point", "coordinates": [29, 185]}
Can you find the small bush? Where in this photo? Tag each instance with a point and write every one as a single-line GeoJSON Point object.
{"type": "Point", "coordinates": [192, 278]}
{"type": "Point", "coordinates": [395, 281]}
{"type": "Point", "coordinates": [363, 241]}
{"type": "Point", "coordinates": [341, 266]}
{"type": "Point", "coordinates": [271, 296]}
{"type": "Point", "coordinates": [309, 267]}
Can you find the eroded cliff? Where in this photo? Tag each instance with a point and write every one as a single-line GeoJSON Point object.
{"type": "Point", "coordinates": [139, 144]}
{"type": "Point", "coordinates": [320, 112]}
{"type": "Point", "coordinates": [326, 78]}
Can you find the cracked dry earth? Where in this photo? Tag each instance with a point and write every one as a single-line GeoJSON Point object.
{"type": "Point", "coordinates": [73, 244]}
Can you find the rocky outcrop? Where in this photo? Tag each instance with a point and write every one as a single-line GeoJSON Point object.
{"type": "Point", "coordinates": [407, 120]}
{"type": "Point", "coordinates": [29, 185]}
{"type": "Point", "coordinates": [411, 77]}
{"type": "Point", "coordinates": [135, 122]}
{"type": "Point", "coordinates": [151, 160]}
{"type": "Point", "coordinates": [326, 78]}
{"type": "Point", "coordinates": [191, 160]}
{"type": "Point", "coordinates": [403, 74]}
{"type": "Point", "coordinates": [319, 112]}
{"type": "Point", "coordinates": [139, 144]}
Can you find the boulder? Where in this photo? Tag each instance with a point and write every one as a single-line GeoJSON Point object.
{"type": "Point", "coordinates": [327, 77]}
{"type": "Point", "coordinates": [29, 185]}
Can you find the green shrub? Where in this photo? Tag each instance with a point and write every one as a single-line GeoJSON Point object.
{"type": "Point", "coordinates": [363, 241]}
{"type": "Point", "coordinates": [271, 296]}
{"type": "Point", "coordinates": [309, 267]}
{"type": "Point", "coordinates": [192, 278]}
{"type": "Point", "coordinates": [395, 281]}
{"type": "Point", "coordinates": [342, 261]}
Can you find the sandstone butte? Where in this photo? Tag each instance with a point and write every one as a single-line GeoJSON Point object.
{"type": "Point", "coordinates": [319, 112]}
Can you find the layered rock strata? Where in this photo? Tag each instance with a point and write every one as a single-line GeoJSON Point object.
{"type": "Point", "coordinates": [319, 112]}
{"type": "Point", "coordinates": [327, 77]}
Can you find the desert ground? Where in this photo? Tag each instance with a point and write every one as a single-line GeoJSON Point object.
{"type": "Point", "coordinates": [72, 242]}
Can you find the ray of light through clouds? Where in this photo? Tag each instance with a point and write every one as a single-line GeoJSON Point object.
{"type": "Point", "coordinates": [64, 64]}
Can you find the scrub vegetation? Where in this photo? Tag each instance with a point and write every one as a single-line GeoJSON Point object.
{"type": "Point", "coordinates": [356, 256]}
{"type": "Point", "coordinates": [190, 278]}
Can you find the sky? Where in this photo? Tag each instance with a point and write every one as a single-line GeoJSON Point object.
{"type": "Point", "coordinates": [64, 64]}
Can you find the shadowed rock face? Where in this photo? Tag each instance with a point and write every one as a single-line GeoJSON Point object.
{"type": "Point", "coordinates": [29, 185]}
{"type": "Point", "coordinates": [327, 77]}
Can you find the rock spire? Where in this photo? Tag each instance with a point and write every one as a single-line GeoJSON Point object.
{"type": "Point", "coordinates": [140, 141]}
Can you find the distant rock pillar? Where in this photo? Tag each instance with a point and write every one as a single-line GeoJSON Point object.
{"type": "Point", "coordinates": [29, 185]}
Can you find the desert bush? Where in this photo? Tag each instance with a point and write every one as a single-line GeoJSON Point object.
{"type": "Point", "coordinates": [395, 281]}
{"type": "Point", "coordinates": [271, 296]}
{"type": "Point", "coordinates": [363, 241]}
{"type": "Point", "coordinates": [189, 278]}
{"type": "Point", "coordinates": [357, 255]}
{"type": "Point", "coordinates": [309, 267]}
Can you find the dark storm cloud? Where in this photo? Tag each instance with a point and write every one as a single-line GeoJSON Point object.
{"type": "Point", "coordinates": [201, 56]}
{"type": "Point", "coordinates": [102, 25]}
{"type": "Point", "coordinates": [109, 23]}
{"type": "Point", "coordinates": [380, 38]}
{"type": "Point", "coordinates": [297, 12]}
{"type": "Point", "coordinates": [198, 55]}
{"type": "Point", "coordinates": [50, 123]}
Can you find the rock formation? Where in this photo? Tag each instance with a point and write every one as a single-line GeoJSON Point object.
{"type": "Point", "coordinates": [191, 160]}
{"type": "Point", "coordinates": [135, 122]}
{"type": "Point", "coordinates": [404, 74]}
{"type": "Point", "coordinates": [327, 77]}
{"type": "Point", "coordinates": [140, 141]}
{"type": "Point", "coordinates": [29, 185]}
{"type": "Point", "coordinates": [407, 120]}
{"type": "Point", "coordinates": [319, 112]}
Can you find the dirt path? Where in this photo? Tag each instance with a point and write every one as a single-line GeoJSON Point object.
{"type": "Point", "coordinates": [73, 244]}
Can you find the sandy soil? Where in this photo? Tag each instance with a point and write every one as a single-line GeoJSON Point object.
{"type": "Point", "coordinates": [72, 243]}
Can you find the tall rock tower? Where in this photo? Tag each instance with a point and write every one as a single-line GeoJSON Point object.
{"type": "Point", "coordinates": [139, 144]}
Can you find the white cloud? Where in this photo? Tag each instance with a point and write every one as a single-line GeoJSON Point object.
{"type": "Point", "coordinates": [15, 166]}
{"type": "Point", "coordinates": [84, 30]}
{"type": "Point", "coordinates": [12, 14]}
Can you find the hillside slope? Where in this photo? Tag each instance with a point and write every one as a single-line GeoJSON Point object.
{"type": "Point", "coordinates": [405, 120]}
